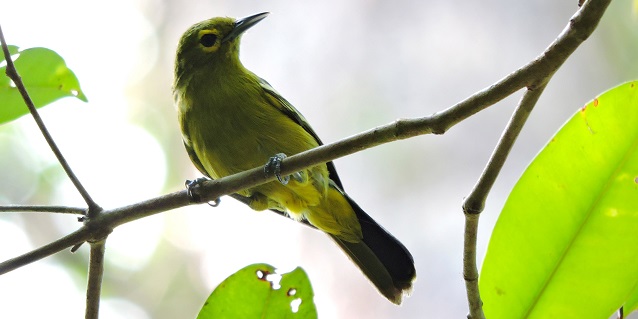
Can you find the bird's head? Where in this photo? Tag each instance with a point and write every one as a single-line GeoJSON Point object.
{"type": "Point", "coordinates": [211, 43]}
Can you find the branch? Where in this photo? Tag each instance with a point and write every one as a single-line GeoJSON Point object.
{"type": "Point", "coordinates": [470, 271]}
{"type": "Point", "coordinates": [581, 25]}
{"type": "Point", "coordinates": [12, 73]}
{"type": "Point", "coordinates": [475, 202]}
{"type": "Point", "coordinates": [79, 236]}
{"type": "Point", "coordinates": [42, 209]}
{"type": "Point", "coordinates": [94, 286]}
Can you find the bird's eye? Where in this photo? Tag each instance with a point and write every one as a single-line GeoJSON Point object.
{"type": "Point", "coordinates": [208, 40]}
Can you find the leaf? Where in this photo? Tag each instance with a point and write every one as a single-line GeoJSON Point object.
{"type": "Point", "coordinates": [565, 244]}
{"type": "Point", "coordinates": [46, 78]}
{"type": "Point", "coordinates": [249, 293]}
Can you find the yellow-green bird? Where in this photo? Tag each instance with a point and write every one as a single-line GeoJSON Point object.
{"type": "Point", "coordinates": [232, 120]}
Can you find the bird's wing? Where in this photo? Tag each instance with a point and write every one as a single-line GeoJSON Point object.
{"type": "Point", "coordinates": [286, 108]}
{"type": "Point", "coordinates": [191, 151]}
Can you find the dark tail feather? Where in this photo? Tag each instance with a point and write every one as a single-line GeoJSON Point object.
{"type": "Point", "coordinates": [381, 257]}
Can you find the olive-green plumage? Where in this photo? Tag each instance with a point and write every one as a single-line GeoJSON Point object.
{"type": "Point", "coordinates": [232, 120]}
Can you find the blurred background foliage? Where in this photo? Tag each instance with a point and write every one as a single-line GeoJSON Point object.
{"type": "Point", "coordinates": [348, 66]}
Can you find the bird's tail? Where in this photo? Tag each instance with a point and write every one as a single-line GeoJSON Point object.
{"type": "Point", "coordinates": [381, 257]}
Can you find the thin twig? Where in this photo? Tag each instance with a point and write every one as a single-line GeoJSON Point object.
{"type": "Point", "coordinates": [12, 73]}
{"type": "Point", "coordinates": [470, 271]}
{"type": "Point", "coordinates": [475, 202]}
{"type": "Point", "coordinates": [78, 236]}
{"type": "Point", "coordinates": [42, 209]}
{"type": "Point", "coordinates": [94, 285]}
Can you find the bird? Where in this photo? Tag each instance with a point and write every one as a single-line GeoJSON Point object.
{"type": "Point", "coordinates": [231, 120]}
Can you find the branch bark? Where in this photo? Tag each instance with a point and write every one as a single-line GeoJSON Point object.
{"type": "Point", "coordinates": [42, 209]}
{"type": "Point", "coordinates": [94, 285]}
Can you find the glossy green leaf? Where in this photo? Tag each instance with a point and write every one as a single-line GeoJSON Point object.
{"type": "Point", "coordinates": [250, 293]}
{"type": "Point", "coordinates": [46, 77]}
{"type": "Point", "coordinates": [566, 242]}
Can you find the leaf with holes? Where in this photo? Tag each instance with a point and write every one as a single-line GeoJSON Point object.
{"type": "Point", "coordinates": [45, 76]}
{"type": "Point", "coordinates": [565, 244]}
{"type": "Point", "coordinates": [252, 293]}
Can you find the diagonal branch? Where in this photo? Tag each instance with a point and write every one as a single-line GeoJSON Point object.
{"type": "Point", "coordinates": [12, 73]}
{"type": "Point", "coordinates": [79, 236]}
{"type": "Point", "coordinates": [475, 202]}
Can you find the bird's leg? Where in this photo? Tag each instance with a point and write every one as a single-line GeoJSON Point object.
{"type": "Point", "coordinates": [192, 190]}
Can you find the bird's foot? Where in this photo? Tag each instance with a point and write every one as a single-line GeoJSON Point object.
{"type": "Point", "coordinates": [192, 190]}
{"type": "Point", "coordinates": [273, 166]}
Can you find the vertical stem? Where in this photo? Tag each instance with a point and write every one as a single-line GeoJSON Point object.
{"type": "Point", "coordinates": [470, 271]}
{"type": "Point", "coordinates": [94, 286]}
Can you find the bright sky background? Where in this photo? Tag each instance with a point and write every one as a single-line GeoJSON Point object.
{"type": "Point", "coordinates": [348, 66]}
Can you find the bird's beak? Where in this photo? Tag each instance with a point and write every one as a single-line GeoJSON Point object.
{"type": "Point", "coordinates": [244, 24]}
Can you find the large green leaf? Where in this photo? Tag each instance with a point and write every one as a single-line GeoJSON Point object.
{"type": "Point", "coordinates": [46, 77]}
{"type": "Point", "coordinates": [249, 293]}
{"type": "Point", "coordinates": [566, 242]}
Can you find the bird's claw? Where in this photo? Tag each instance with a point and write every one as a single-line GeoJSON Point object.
{"type": "Point", "coordinates": [273, 166]}
{"type": "Point", "coordinates": [214, 203]}
{"type": "Point", "coordinates": [299, 177]}
{"type": "Point", "coordinates": [191, 189]}
{"type": "Point", "coordinates": [193, 193]}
